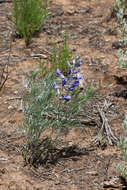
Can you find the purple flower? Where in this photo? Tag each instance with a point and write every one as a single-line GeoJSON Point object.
{"type": "Point", "coordinates": [55, 85]}
{"type": "Point", "coordinates": [64, 82]}
{"type": "Point", "coordinates": [70, 88]}
{"type": "Point", "coordinates": [63, 97]}
{"type": "Point", "coordinates": [70, 71]}
{"type": "Point", "coordinates": [68, 63]}
{"type": "Point", "coordinates": [78, 63]}
{"type": "Point", "coordinates": [79, 77]}
{"type": "Point", "coordinates": [77, 71]}
{"type": "Point", "coordinates": [59, 73]}
{"type": "Point", "coordinates": [67, 98]}
{"type": "Point", "coordinates": [70, 68]}
{"type": "Point", "coordinates": [74, 84]}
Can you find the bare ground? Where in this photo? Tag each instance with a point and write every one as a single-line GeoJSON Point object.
{"type": "Point", "coordinates": [92, 32]}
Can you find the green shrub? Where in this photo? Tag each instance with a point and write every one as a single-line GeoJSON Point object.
{"type": "Point", "coordinates": [122, 58]}
{"type": "Point", "coordinates": [28, 16]}
{"type": "Point", "coordinates": [122, 24]}
{"type": "Point", "coordinates": [122, 167]}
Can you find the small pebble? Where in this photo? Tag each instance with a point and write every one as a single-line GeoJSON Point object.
{"type": "Point", "coordinates": [16, 92]}
{"type": "Point", "coordinates": [10, 108]}
{"type": "Point", "coordinates": [116, 44]}
{"type": "Point", "coordinates": [71, 12]}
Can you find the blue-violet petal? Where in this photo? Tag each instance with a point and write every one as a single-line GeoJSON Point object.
{"type": "Point", "coordinates": [55, 85]}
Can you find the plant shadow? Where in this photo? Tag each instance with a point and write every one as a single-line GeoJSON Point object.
{"type": "Point", "coordinates": [50, 155]}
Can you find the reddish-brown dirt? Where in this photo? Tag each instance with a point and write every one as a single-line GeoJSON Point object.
{"type": "Point", "coordinates": [91, 34]}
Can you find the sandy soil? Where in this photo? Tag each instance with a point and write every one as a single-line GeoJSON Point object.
{"type": "Point", "coordinates": [91, 34]}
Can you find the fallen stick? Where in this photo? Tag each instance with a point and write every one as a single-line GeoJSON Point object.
{"type": "Point", "coordinates": [106, 129]}
{"type": "Point", "coordinates": [14, 98]}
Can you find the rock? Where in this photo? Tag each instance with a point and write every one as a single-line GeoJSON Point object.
{"type": "Point", "coordinates": [58, 12]}
{"type": "Point", "coordinates": [10, 108]}
{"type": "Point", "coordinates": [3, 159]}
{"type": "Point", "coordinates": [93, 173]}
{"type": "Point", "coordinates": [84, 10]}
{"type": "Point", "coordinates": [82, 83]}
{"type": "Point", "coordinates": [117, 44]}
{"type": "Point", "coordinates": [114, 182]}
{"type": "Point", "coordinates": [15, 92]}
{"type": "Point", "coordinates": [42, 56]}
{"type": "Point", "coordinates": [71, 12]}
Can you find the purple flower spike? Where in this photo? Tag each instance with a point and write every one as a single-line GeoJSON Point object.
{"type": "Point", "coordinates": [70, 81]}
{"type": "Point", "coordinates": [55, 85]}
{"type": "Point", "coordinates": [59, 73]}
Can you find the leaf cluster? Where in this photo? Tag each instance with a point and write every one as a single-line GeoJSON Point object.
{"type": "Point", "coordinates": [60, 55]}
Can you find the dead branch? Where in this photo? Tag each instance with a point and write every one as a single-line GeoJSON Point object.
{"type": "Point", "coordinates": [105, 129]}
{"type": "Point", "coordinates": [5, 74]}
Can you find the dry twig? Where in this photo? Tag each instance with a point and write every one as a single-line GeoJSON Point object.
{"type": "Point", "coordinates": [4, 71]}
{"type": "Point", "coordinates": [105, 129]}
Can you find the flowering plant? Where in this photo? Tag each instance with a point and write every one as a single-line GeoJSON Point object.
{"type": "Point", "coordinates": [43, 110]}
